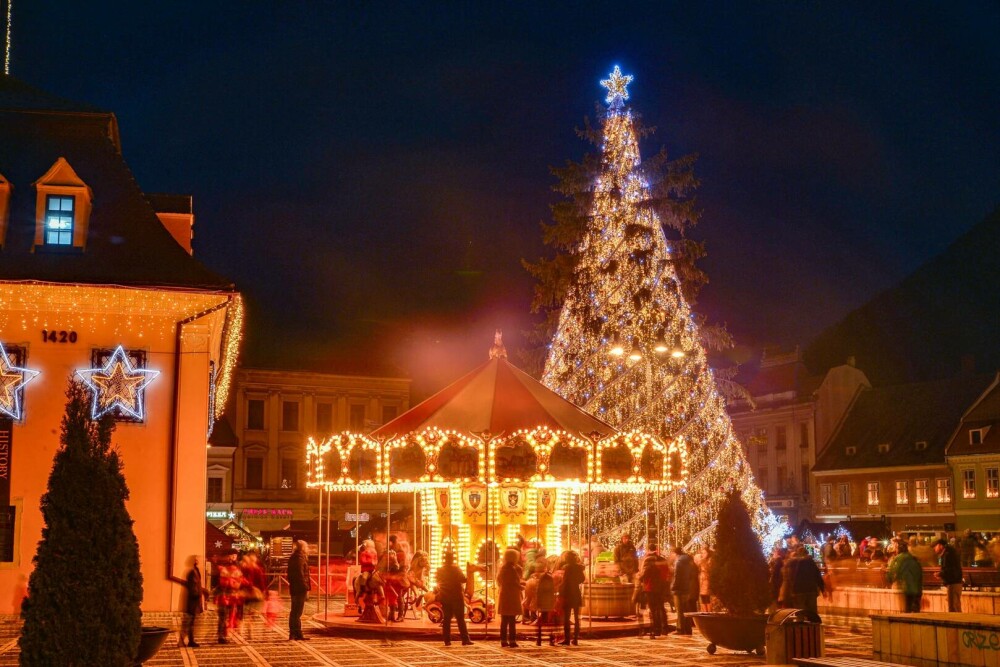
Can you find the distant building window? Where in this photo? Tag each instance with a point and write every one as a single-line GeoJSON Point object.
{"type": "Point", "coordinates": [943, 486]}
{"type": "Point", "coordinates": [873, 500]}
{"type": "Point", "coordinates": [883, 448]}
{"type": "Point", "coordinates": [851, 451]}
{"type": "Point", "coordinates": [59, 220]}
{"type": "Point", "coordinates": [780, 438]}
{"type": "Point", "coordinates": [993, 482]}
{"type": "Point", "coordinates": [324, 417]}
{"type": "Point", "coordinates": [289, 473]}
{"type": "Point", "coordinates": [289, 415]}
{"type": "Point", "coordinates": [255, 472]}
{"type": "Point", "coordinates": [920, 445]}
{"type": "Point", "coordinates": [389, 413]}
{"type": "Point", "coordinates": [921, 492]}
{"type": "Point", "coordinates": [758, 440]}
{"type": "Point", "coordinates": [826, 496]}
{"type": "Point", "coordinates": [357, 418]}
{"type": "Point", "coordinates": [969, 483]}
{"type": "Point", "coordinates": [902, 493]}
{"type": "Point", "coordinates": [762, 479]}
{"type": "Point", "coordinates": [844, 494]}
{"type": "Point", "coordinates": [782, 480]}
{"type": "Point", "coordinates": [805, 478]}
{"type": "Point", "coordinates": [255, 414]}
{"type": "Point", "coordinates": [976, 436]}
{"type": "Point", "coordinates": [804, 435]}
{"type": "Point", "coordinates": [214, 493]}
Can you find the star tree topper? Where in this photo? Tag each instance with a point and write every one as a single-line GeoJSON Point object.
{"type": "Point", "coordinates": [12, 379]}
{"type": "Point", "coordinates": [617, 85]}
{"type": "Point", "coordinates": [118, 385]}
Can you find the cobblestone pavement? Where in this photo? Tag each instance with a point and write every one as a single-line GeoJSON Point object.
{"type": "Point", "coordinates": [270, 646]}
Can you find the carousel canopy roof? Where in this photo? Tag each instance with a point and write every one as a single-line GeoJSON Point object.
{"type": "Point", "coordinates": [497, 398]}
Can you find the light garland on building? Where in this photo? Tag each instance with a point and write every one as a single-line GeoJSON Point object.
{"type": "Point", "coordinates": [12, 382]}
{"type": "Point", "coordinates": [232, 337]}
{"type": "Point", "coordinates": [628, 348]}
{"type": "Point", "coordinates": [118, 384]}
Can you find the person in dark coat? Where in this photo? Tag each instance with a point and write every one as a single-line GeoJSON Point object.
{"type": "Point", "coordinates": [806, 583]}
{"type": "Point", "coordinates": [509, 585]}
{"type": "Point", "coordinates": [450, 591]}
{"type": "Point", "coordinates": [194, 602]}
{"type": "Point", "coordinates": [299, 586]}
{"type": "Point", "coordinates": [626, 558]}
{"type": "Point", "coordinates": [572, 597]}
{"type": "Point", "coordinates": [652, 583]}
{"type": "Point", "coordinates": [775, 567]}
{"type": "Point", "coordinates": [684, 588]}
{"type": "Point", "coordinates": [950, 573]}
{"type": "Point", "coordinates": [545, 602]}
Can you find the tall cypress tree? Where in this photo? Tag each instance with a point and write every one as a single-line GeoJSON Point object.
{"type": "Point", "coordinates": [738, 574]}
{"type": "Point", "coordinates": [85, 590]}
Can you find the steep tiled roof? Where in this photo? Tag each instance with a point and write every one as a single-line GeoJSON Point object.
{"type": "Point", "coordinates": [901, 416]}
{"type": "Point", "coordinates": [985, 414]}
{"type": "Point", "coordinates": [126, 243]}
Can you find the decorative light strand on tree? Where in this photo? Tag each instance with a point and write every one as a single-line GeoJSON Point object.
{"type": "Point", "coordinates": [628, 348]}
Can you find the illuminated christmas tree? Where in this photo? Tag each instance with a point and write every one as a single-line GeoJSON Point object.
{"type": "Point", "coordinates": [627, 346]}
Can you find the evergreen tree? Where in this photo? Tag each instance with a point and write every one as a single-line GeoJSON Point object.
{"type": "Point", "coordinates": [738, 575]}
{"type": "Point", "coordinates": [628, 347]}
{"type": "Point", "coordinates": [85, 590]}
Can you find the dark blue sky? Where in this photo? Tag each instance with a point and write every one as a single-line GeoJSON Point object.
{"type": "Point", "coordinates": [371, 174]}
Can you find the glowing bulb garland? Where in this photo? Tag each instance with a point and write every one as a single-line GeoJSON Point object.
{"type": "Point", "coordinates": [118, 384]}
{"type": "Point", "coordinates": [12, 381]}
{"type": "Point", "coordinates": [626, 290]}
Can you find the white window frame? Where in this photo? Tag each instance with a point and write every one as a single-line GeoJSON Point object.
{"type": "Point", "coordinates": [844, 494]}
{"type": "Point", "coordinates": [969, 484]}
{"type": "Point", "coordinates": [826, 496]}
{"type": "Point", "coordinates": [918, 497]}
{"type": "Point", "coordinates": [902, 492]}
{"type": "Point", "coordinates": [942, 483]}
{"type": "Point", "coordinates": [992, 482]}
{"type": "Point", "coordinates": [874, 496]}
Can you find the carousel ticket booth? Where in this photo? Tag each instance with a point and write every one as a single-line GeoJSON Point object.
{"type": "Point", "coordinates": [494, 459]}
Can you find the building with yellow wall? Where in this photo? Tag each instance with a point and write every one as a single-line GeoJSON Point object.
{"type": "Point", "coordinates": [98, 283]}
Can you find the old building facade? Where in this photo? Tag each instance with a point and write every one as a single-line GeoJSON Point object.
{"type": "Point", "coordinates": [974, 456]}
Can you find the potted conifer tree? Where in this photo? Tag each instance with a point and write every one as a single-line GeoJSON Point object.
{"type": "Point", "coordinates": [738, 580]}
{"type": "Point", "coordinates": [86, 588]}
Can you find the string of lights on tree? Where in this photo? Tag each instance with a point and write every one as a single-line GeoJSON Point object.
{"type": "Point", "coordinates": [628, 348]}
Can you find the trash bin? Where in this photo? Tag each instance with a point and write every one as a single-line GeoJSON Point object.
{"type": "Point", "coordinates": [790, 634]}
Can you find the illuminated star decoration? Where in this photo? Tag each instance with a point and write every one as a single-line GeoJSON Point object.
{"type": "Point", "coordinates": [12, 379]}
{"type": "Point", "coordinates": [118, 385]}
{"type": "Point", "coordinates": [617, 87]}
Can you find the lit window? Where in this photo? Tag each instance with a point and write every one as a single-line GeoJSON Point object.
{"type": "Point", "coordinates": [902, 493]}
{"type": "Point", "coordinates": [59, 220]}
{"type": "Point", "coordinates": [993, 482]}
{"type": "Point", "coordinates": [944, 489]}
{"type": "Point", "coordinates": [873, 494]}
{"type": "Point", "coordinates": [921, 492]}
{"type": "Point", "coordinates": [969, 483]}
{"type": "Point", "coordinates": [826, 496]}
{"type": "Point", "coordinates": [844, 494]}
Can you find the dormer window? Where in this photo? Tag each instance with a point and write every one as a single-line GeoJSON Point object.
{"type": "Point", "coordinates": [883, 448]}
{"type": "Point", "coordinates": [59, 220]}
{"type": "Point", "coordinates": [921, 445]}
{"type": "Point", "coordinates": [976, 436]}
{"type": "Point", "coordinates": [852, 450]}
{"type": "Point", "coordinates": [62, 209]}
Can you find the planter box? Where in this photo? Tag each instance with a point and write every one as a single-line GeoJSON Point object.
{"type": "Point", "coordinates": [937, 640]}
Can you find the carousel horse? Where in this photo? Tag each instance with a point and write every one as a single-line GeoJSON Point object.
{"type": "Point", "coordinates": [369, 592]}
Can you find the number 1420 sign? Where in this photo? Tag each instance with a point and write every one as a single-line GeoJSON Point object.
{"type": "Point", "coordinates": [52, 336]}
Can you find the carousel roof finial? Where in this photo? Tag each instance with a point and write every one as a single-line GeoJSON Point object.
{"type": "Point", "coordinates": [498, 351]}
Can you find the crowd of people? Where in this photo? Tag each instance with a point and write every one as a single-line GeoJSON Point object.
{"type": "Point", "coordinates": [545, 591]}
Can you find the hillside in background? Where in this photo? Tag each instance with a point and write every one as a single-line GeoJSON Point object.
{"type": "Point", "coordinates": [946, 314]}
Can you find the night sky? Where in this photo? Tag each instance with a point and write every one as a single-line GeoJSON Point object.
{"type": "Point", "coordinates": [370, 175]}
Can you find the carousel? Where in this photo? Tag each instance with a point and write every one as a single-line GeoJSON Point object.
{"type": "Point", "coordinates": [494, 460]}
